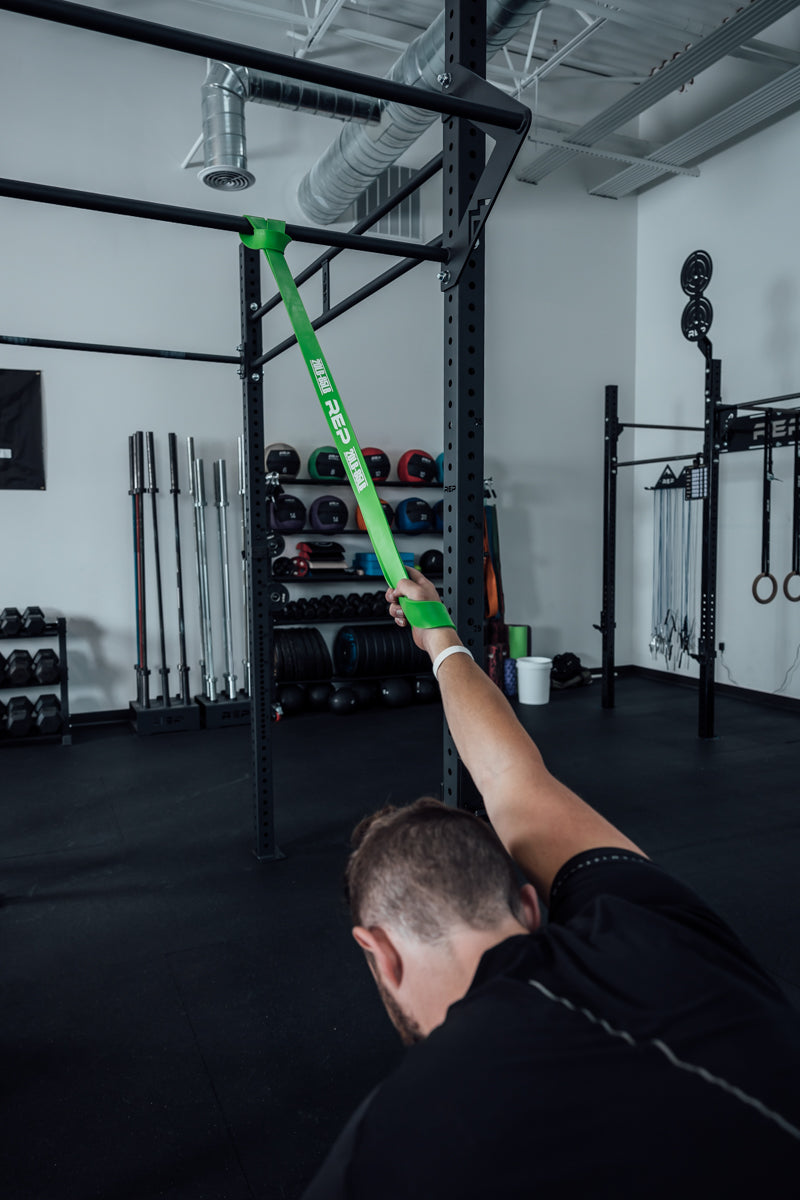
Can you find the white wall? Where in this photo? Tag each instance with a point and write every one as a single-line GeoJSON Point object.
{"type": "Point", "coordinates": [743, 211]}
{"type": "Point", "coordinates": [110, 116]}
{"type": "Point", "coordinates": [560, 316]}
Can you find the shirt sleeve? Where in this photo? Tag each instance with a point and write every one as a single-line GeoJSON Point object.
{"type": "Point", "coordinates": [332, 1180]}
{"type": "Point", "coordinates": [638, 881]}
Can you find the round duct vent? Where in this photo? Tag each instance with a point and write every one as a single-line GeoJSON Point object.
{"type": "Point", "coordinates": [226, 179]}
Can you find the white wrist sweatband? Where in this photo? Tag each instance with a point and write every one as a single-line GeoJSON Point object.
{"type": "Point", "coordinates": [437, 662]}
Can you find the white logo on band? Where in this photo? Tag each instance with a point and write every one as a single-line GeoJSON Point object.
{"type": "Point", "coordinates": [356, 473]}
{"type": "Point", "coordinates": [337, 417]}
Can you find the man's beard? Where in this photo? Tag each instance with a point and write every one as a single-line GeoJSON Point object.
{"type": "Point", "coordinates": [407, 1027]}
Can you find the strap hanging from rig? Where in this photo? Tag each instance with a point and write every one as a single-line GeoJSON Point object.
{"type": "Point", "coordinates": [271, 237]}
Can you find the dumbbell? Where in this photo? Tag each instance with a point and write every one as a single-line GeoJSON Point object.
{"type": "Point", "coordinates": [33, 621]}
{"type": "Point", "coordinates": [19, 717]}
{"type": "Point", "coordinates": [338, 606]}
{"type": "Point", "coordinates": [324, 606]}
{"type": "Point", "coordinates": [47, 714]}
{"type": "Point", "coordinates": [2, 669]}
{"type": "Point", "coordinates": [10, 622]}
{"type": "Point", "coordinates": [351, 605]}
{"type": "Point", "coordinates": [19, 669]}
{"type": "Point", "coordinates": [46, 666]}
{"type": "Point", "coordinates": [3, 711]}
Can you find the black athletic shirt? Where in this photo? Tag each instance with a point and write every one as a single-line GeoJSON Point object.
{"type": "Point", "coordinates": [631, 1048]}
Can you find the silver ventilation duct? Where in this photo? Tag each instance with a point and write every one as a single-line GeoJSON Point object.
{"type": "Point", "coordinates": [224, 93]}
{"type": "Point", "coordinates": [361, 153]}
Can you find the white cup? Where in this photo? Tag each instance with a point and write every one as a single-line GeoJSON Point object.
{"type": "Point", "coordinates": [533, 679]}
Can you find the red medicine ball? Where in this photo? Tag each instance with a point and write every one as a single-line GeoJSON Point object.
{"type": "Point", "coordinates": [416, 466]}
{"type": "Point", "coordinates": [377, 463]}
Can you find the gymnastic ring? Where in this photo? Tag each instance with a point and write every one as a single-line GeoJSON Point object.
{"type": "Point", "coordinates": [791, 575]}
{"type": "Point", "coordinates": [773, 593]}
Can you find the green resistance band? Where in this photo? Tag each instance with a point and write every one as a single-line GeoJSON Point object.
{"type": "Point", "coordinates": [271, 237]}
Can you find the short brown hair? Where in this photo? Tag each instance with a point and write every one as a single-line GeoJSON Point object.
{"type": "Point", "coordinates": [427, 867]}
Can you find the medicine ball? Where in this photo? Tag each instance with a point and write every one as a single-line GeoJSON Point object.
{"type": "Point", "coordinates": [343, 701]}
{"type": "Point", "coordinates": [440, 468]}
{"type": "Point", "coordinates": [325, 464]}
{"type": "Point", "coordinates": [388, 512]}
{"type": "Point", "coordinates": [318, 695]}
{"type": "Point", "coordinates": [366, 691]}
{"type": "Point", "coordinates": [328, 514]}
{"type": "Point", "coordinates": [432, 563]}
{"type": "Point", "coordinates": [397, 692]}
{"type": "Point", "coordinates": [416, 466]}
{"type": "Point", "coordinates": [438, 516]}
{"type": "Point", "coordinates": [292, 698]}
{"type": "Point", "coordinates": [414, 515]}
{"type": "Point", "coordinates": [377, 463]}
{"type": "Point", "coordinates": [287, 513]}
{"type": "Point", "coordinates": [282, 459]}
{"type": "Point", "coordinates": [426, 689]}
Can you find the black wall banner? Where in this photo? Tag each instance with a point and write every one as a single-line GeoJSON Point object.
{"type": "Point", "coordinates": [21, 448]}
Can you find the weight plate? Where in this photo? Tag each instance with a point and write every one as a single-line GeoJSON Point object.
{"type": "Point", "coordinates": [300, 567]}
{"type": "Point", "coordinates": [275, 544]}
{"type": "Point", "coordinates": [278, 596]}
{"type": "Point", "coordinates": [696, 273]}
{"type": "Point", "coordinates": [696, 318]}
{"type": "Point", "coordinates": [326, 665]}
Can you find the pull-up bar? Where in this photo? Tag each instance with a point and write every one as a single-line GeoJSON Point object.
{"type": "Point", "coordinates": [103, 348]}
{"type": "Point", "coordinates": [185, 41]}
{"type": "Point", "coordinates": [18, 189]}
{"type": "Point", "coordinates": [638, 462]}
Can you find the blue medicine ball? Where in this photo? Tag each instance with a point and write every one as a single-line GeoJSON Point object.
{"type": "Point", "coordinates": [414, 515]}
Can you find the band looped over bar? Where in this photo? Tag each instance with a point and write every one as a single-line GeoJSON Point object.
{"type": "Point", "coordinates": [271, 237]}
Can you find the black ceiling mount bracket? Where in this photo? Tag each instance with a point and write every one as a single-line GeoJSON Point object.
{"type": "Point", "coordinates": [465, 85]}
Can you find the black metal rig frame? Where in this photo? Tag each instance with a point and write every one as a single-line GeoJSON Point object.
{"type": "Point", "coordinates": [724, 432]}
{"type": "Point", "coordinates": [471, 108]}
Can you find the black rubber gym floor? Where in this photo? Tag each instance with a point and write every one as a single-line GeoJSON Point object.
{"type": "Point", "coordinates": [180, 1021]}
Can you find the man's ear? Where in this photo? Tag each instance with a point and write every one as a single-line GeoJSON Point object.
{"type": "Point", "coordinates": [382, 954]}
{"type": "Point", "coordinates": [531, 914]}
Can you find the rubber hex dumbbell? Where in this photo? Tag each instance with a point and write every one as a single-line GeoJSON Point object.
{"type": "Point", "coordinates": [10, 622]}
{"type": "Point", "coordinates": [47, 715]}
{"type": "Point", "coordinates": [46, 667]}
{"type": "Point", "coordinates": [2, 670]}
{"type": "Point", "coordinates": [19, 717]}
{"type": "Point", "coordinates": [3, 712]}
{"type": "Point", "coordinates": [19, 669]}
{"type": "Point", "coordinates": [33, 621]}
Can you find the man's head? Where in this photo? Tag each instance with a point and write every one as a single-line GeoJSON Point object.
{"type": "Point", "coordinates": [430, 888]}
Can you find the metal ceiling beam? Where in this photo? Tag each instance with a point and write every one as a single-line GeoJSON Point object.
{"type": "Point", "coordinates": [746, 24]}
{"type": "Point", "coordinates": [765, 104]}
{"type": "Point", "coordinates": [558, 56]}
{"type": "Point", "coordinates": [553, 139]}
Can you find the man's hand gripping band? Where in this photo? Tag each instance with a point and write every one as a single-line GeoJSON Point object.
{"type": "Point", "coordinates": [271, 237]}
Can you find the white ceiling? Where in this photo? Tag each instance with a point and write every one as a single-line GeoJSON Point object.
{"type": "Point", "coordinates": [574, 64]}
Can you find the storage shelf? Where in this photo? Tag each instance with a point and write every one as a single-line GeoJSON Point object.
{"type": "Point", "coordinates": [52, 629]}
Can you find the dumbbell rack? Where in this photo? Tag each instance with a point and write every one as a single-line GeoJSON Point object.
{"type": "Point", "coordinates": [57, 628]}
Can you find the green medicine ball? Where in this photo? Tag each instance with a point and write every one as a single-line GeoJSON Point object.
{"type": "Point", "coordinates": [325, 464]}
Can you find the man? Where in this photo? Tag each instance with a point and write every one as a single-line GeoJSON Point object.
{"type": "Point", "coordinates": [631, 1047]}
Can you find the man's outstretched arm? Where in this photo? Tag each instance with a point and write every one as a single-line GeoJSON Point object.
{"type": "Point", "coordinates": [541, 822]}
